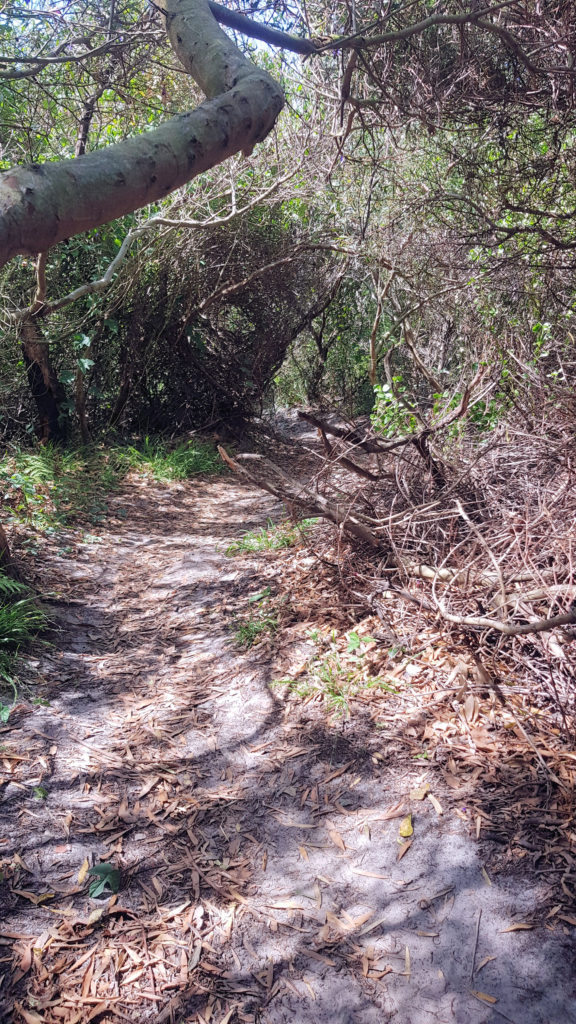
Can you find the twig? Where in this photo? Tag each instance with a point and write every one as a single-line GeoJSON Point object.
{"type": "Point", "coordinates": [475, 945]}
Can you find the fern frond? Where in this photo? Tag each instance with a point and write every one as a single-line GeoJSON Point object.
{"type": "Point", "coordinates": [9, 587]}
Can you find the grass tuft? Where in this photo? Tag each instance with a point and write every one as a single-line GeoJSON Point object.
{"type": "Point", "coordinates": [163, 463]}
{"type": "Point", "coordinates": [272, 537]}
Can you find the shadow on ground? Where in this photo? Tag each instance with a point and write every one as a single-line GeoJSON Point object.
{"type": "Point", "coordinates": [257, 838]}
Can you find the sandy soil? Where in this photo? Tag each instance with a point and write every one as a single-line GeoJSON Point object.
{"type": "Point", "coordinates": [256, 836]}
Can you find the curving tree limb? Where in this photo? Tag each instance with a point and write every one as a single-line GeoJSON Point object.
{"type": "Point", "coordinates": [41, 204]}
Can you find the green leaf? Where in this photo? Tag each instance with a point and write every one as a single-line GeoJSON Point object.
{"type": "Point", "coordinates": [353, 642]}
{"type": "Point", "coordinates": [108, 877]}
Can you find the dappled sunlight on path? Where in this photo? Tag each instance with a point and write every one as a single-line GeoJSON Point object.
{"type": "Point", "coordinates": [257, 841]}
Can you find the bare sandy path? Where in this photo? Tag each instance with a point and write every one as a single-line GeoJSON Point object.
{"type": "Point", "coordinates": [257, 840]}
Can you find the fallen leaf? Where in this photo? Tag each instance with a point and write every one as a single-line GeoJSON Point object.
{"type": "Point", "coordinates": [483, 996]}
{"type": "Point", "coordinates": [483, 963]}
{"type": "Point", "coordinates": [520, 926]}
{"type": "Point", "coordinates": [83, 871]}
{"type": "Point", "coordinates": [29, 1017]}
{"type": "Point", "coordinates": [567, 918]}
{"type": "Point", "coordinates": [471, 708]}
{"type": "Point", "coordinates": [486, 876]}
{"type": "Point", "coordinates": [25, 962]}
{"type": "Point", "coordinates": [369, 874]}
{"type": "Point", "coordinates": [36, 900]}
{"type": "Point", "coordinates": [436, 804]}
{"type": "Point", "coordinates": [421, 793]}
{"type": "Point", "coordinates": [404, 849]}
{"type": "Point", "coordinates": [337, 839]}
{"type": "Point", "coordinates": [406, 828]}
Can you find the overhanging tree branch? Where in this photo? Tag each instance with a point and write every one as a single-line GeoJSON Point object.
{"type": "Point", "coordinates": [41, 205]}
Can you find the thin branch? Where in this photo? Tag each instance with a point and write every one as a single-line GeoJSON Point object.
{"type": "Point", "coordinates": [100, 284]}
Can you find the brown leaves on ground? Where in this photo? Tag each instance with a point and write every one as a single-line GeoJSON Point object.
{"type": "Point", "coordinates": [148, 784]}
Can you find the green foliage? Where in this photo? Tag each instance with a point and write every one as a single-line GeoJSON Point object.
{"type": "Point", "coordinates": [107, 877]}
{"type": "Point", "coordinates": [390, 415]}
{"type": "Point", "coordinates": [283, 535]}
{"type": "Point", "coordinates": [255, 628]}
{"type": "Point", "coordinates": [5, 712]}
{"type": "Point", "coordinates": [21, 620]}
{"type": "Point", "coordinates": [336, 676]}
{"type": "Point", "coordinates": [52, 487]}
{"type": "Point", "coordinates": [155, 458]}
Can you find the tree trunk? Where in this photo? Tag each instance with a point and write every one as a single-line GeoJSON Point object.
{"type": "Point", "coordinates": [46, 390]}
{"type": "Point", "coordinates": [41, 205]}
{"type": "Point", "coordinates": [7, 563]}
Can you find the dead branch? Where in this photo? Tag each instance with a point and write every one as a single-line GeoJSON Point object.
{"type": "Point", "coordinates": [334, 456]}
{"type": "Point", "coordinates": [373, 445]}
{"type": "Point", "coordinates": [271, 478]}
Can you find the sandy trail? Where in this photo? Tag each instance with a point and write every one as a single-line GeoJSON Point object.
{"type": "Point", "coordinates": [257, 840]}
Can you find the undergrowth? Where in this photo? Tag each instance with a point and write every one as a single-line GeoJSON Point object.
{"type": "Point", "coordinates": [335, 676]}
{"type": "Point", "coordinates": [53, 487]}
{"type": "Point", "coordinates": [270, 537]}
{"type": "Point", "coordinates": [20, 621]}
{"type": "Point", "coordinates": [263, 621]}
{"type": "Point", "coordinates": [158, 460]}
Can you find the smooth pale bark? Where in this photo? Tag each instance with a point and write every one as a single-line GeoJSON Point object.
{"type": "Point", "coordinates": [41, 204]}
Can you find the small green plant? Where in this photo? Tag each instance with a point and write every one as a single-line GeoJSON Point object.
{"type": "Point", "coordinates": [337, 676]}
{"type": "Point", "coordinates": [252, 630]}
{"type": "Point", "coordinates": [5, 712]}
{"type": "Point", "coordinates": [262, 621]}
{"type": "Point", "coordinates": [20, 620]}
{"type": "Point", "coordinates": [108, 877]}
{"type": "Point", "coordinates": [271, 537]}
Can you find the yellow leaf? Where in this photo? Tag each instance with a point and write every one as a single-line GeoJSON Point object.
{"type": "Point", "coordinates": [303, 852]}
{"type": "Point", "coordinates": [520, 926]}
{"type": "Point", "coordinates": [95, 915]}
{"type": "Point", "coordinates": [83, 871]}
{"type": "Point", "coordinates": [483, 996]}
{"type": "Point", "coordinates": [486, 876]}
{"type": "Point", "coordinates": [406, 829]}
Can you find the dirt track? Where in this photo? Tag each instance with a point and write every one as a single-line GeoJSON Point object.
{"type": "Point", "coordinates": [257, 838]}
